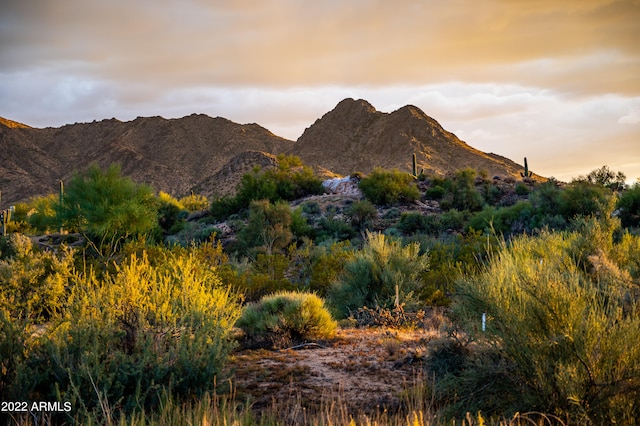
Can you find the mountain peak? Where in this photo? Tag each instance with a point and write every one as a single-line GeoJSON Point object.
{"type": "Point", "coordinates": [354, 136]}
{"type": "Point", "coordinates": [350, 104]}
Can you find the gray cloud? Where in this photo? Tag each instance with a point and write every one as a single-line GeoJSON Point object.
{"type": "Point", "coordinates": [557, 78]}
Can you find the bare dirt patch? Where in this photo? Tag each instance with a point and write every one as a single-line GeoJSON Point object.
{"type": "Point", "coordinates": [365, 369]}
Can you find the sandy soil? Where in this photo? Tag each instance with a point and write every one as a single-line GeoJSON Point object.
{"type": "Point", "coordinates": [364, 369]}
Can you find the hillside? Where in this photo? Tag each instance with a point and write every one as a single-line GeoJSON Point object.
{"type": "Point", "coordinates": [209, 155]}
{"type": "Point", "coordinates": [360, 138]}
{"type": "Point", "coordinates": [172, 155]}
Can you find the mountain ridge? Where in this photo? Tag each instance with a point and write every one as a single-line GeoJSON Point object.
{"type": "Point", "coordinates": [203, 153]}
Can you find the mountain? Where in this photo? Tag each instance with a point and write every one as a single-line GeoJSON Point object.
{"type": "Point", "coordinates": [209, 155]}
{"type": "Point", "coordinates": [355, 137]}
{"type": "Point", "coordinates": [173, 155]}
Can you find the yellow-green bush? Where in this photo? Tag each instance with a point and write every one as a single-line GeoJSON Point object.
{"type": "Point", "coordinates": [286, 317]}
{"type": "Point", "coordinates": [561, 335]}
{"type": "Point", "coordinates": [119, 341]}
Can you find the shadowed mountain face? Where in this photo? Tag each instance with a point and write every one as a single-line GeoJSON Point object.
{"type": "Point", "coordinates": [210, 154]}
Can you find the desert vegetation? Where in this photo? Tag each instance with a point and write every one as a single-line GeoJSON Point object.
{"type": "Point", "coordinates": [154, 309]}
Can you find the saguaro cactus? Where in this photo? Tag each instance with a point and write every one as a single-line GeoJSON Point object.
{"type": "Point", "coordinates": [5, 218]}
{"type": "Point", "coordinates": [61, 200]}
{"type": "Point", "coordinates": [414, 168]}
{"type": "Point", "coordinates": [527, 173]}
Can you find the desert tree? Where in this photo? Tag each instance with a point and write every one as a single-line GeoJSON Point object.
{"type": "Point", "coordinates": [107, 208]}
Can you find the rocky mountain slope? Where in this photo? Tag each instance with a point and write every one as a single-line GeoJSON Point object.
{"type": "Point", "coordinates": [172, 155]}
{"type": "Point", "coordinates": [356, 137]}
{"type": "Point", "coordinates": [209, 155]}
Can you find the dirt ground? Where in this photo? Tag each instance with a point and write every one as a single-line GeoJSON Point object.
{"type": "Point", "coordinates": [364, 368]}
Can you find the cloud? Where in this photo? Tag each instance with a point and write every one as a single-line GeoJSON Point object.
{"type": "Point", "coordinates": [280, 43]}
{"type": "Point", "coordinates": [556, 81]}
{"type": "Point", "coordinates": [632, 117]}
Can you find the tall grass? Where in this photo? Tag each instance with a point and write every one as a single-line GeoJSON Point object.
{"type": "Point", "coordinates": [222, 410]}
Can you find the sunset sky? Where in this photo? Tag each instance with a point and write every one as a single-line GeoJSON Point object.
{"type": "Point", "coordinates": [555, 81]}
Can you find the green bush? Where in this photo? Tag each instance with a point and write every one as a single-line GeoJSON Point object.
{"type": "Point", "coordinates": [582, 198]}
{"type": "Point", "coordinates": [561, 333]}
{"type": "Point", "coordinates": [435, 193]}
{"type": "Point", "coordinates": [327, 264]}
{"type": "Point", "coordinates": [171, 213]}
{"type": "Point", "coordinates": [462, 193]}
{"type": "Point", "coordinates": [39, 213]}
{"type": "Point", "coordinates": [291, 180]}
{"type": "Point", "coordinates": [286, 318]}
{"type": "Point", "coordinates": [268, 228]}
{"type": "Point", "coordinates": [362, 214]}
{"type": "Point", "coordinates": [107, 208]}
{"type": "Point", "coordinates": [608, 178]}
{"type": "Point", "coordinates": [521, 189]}
{"type": "Point", "coordinates": [629, 205]}
{"type": "Point", "coordinates": [300, 225]}
{"type": "Point", "coordinates": [267, 274]}
{"type": "Point", "coordinates": [34, 283]}
{"type": "Point", "coordinates": [503, 220]}
{"type": "Point", "coordinates": [383, 270]}
{"type": "Point", "coordinates": [414, 222]}
{"type": "Point", "coordinates": [333, 227]}
{"type": "Point", "coordinates": [389, 187]}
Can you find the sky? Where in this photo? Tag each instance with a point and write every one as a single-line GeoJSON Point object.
{"type": "Point", "coordinates": [556, 81]}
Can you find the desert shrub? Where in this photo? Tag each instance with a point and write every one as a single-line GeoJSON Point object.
{"type": "Point", "coordinates": [629, 206]}
{"type": "Point", "coordinates": [560, 337]}
{"type": "Point", "coordinates": [415, 222]}
{"type": "Point", "coordinates": [267, 275]}
{"type": "Point", "coordinates": [582, 198]}
{"type": "Point", "coordinates": [171, 213]}
{"type": "Point", "coordinates": [290, 180]}
{"type": "Point", "coordinates": [268, 228]}
{"type": "Point", "coordinates": [608, 178]}
{"type": "Point", "coordinates": [34, 283]}
{"type": "Point", "coordinates": [462, 193]}
{"type": "Point", "coordinates": [362, 214]}
{"type": "Point", "coordinates": [435, 193]}
{"type": "Point", "coordinates": [189, 233]}
{"type": "Point", "coordinates": [392, 214]}
{"type": "Point", "coordinates": [382, 274]}
{"type": "Point", "coordinates": [503, 220]}
{"type": "Point", "coordinates": [310, 208]}
{"type": "Point", "coordinates": [546, 197]}
{"type": "Point", "coordinates": [107, 207]}
{"type": "Point", "coordinates": [453, 219]}
{"type": "Point", "coordinates": [300, 225]}
{"type": "Point", "coordinates": [491, 193]}
{"type": "Point", "coordinates": [389, 187]}
{"type": "Point", "coordinates": [521, 189]}
{"type": "Point", "coordinates": [286, 318]}
{"type": "Point", "coordinates": [327, 264]}
{"type": "Point", "coordinates": [33, 292]}
{"type": "Point", "coordinates": [40, 213]}
{"type": "Point", "coordinates": [224, 206]}
{"type": "Point", "coordinates": [332, 226]}
{"type": "Point", "coordinates": [150, 326]}
{"type": "Point", "coordinates": [194, 202]}
{"type": "Point", "coordinates": [147, 327]}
